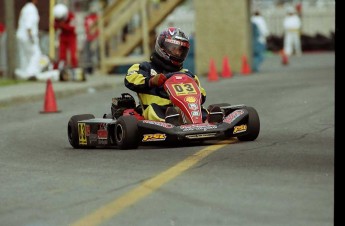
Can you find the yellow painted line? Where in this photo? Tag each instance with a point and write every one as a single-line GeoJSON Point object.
{"type": "Point", "coordinates": [147, 187]}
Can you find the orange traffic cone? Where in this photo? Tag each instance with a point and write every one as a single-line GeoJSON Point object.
{"type": "Point", "coordinates": [226, 72]}
{"type": "Point", "coordinates": [285, 58]}
{"type": "Point", "coordinates": [245, 66]}
{"type": "Point", "coordinates": [49, 101]}
{"type": "Point", "coordinates": [212, 74]}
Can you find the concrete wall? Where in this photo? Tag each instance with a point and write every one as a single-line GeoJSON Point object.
{"type": "Point", "coordinates": [222, 28]}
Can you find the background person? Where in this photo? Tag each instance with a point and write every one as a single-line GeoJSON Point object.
{"type": "Point", "coordinates": [260, 33]}
{"type": "Point", "coordinates": [29, 51]}
{"type": "Point", "coordinates": [91, 46]}
{"type": "Point", "coordinates": [257, 48]}
{"type": "Point", "coordinates": [65, 23]}
{"type": "Point", "coordinates": [292, 27]}
{"type": "Point", "coordinates": [3, 60]}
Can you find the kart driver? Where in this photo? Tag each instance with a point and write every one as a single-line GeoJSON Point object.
{"type": "Point", "coordinates": [147, 78]}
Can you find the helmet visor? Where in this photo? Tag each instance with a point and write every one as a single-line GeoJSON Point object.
{"type": "Point", "coordinates": [177, 50]}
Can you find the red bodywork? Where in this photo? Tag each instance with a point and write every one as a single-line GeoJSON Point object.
{"type": "Point", "coordinates": [132, 112]}
{"type": "Point", "coordinates": [185, 94]}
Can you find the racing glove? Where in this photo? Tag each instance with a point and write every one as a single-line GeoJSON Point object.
{"type": "Point", "coordinates": [157, 80]}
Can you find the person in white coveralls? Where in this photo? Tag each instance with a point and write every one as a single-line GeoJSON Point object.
{"type": "Point", "coordinates": [31, 59]}
{"type": "Point", "coordinates": [292, 29]}
{"type": "Point", "coordinates": [28, 42]}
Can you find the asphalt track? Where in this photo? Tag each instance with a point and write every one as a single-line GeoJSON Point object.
{"type": "Point", "coordinates": [285, 177]}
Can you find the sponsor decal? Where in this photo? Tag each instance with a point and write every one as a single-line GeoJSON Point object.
{"type": "Point", "coordinates": [162, 124]}
{"type": "Point", "coordinates": [153, 72]}
{"type": "Point", "coordinates": [234, 115]}
{"type": "Point", "coordinates": [178, 77]}
{"type": "Point", "coordinates": [102, 134]}
{"type": "Point", "coordinates": [190, 99]}
{"type": "Point", "coordinates": [171, 30]}
{"type": "Point", "coordinates": [82, 134]}
{"type": "Point", "coordinates": [102, 126]}
{"type": "Point", "coordinates": [102, 142]}
{"type": "Point", "coordinates": [202, 135]}
{"type": "Point", "coordinates": [195, 113]}
{"type": "Point", "coordinates": [240, 129]}
{"type": "Point", "coordinates": [193, 127]}
{"type": "Point", "coordinates": [154, 137]}
{"type": "Point", "coordinates": [176, 42]}
{"type": "Point", "coordinates": [131, 72]}
{"type": "Point", "coordinates": [87, 130]}
{"type": "Point", "coordinates": [93, 138]}
{"type": "Point", "coordinates": [193, 106]}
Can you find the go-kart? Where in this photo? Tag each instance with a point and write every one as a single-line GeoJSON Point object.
{"type": "Point", "coordinates": [126, 128]}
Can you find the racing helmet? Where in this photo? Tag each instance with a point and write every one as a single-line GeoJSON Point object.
{"type": "Point", "coordinates": [60, 11]}
{"type": "Point", "coordinates": [172, 45]}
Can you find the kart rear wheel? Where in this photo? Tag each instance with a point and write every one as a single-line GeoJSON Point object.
{"type": "Point", "coordinates": [72, 129]}
{"type": "Point", "coordinates": [126, 132]}
{"type": "Point", "coordinates": [253, 125]}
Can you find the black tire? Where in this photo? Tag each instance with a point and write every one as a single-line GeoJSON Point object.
{"type": "Point", "coordinates": [218, 105]}
{"type": "Point", "coordinates": [126, 132]}
{"type": "Point", "coordinates": [226, 112]}
{"type": "Point", "coordinates": [253, 125]}
{"type": "Point", "coordinates": [72, 129]}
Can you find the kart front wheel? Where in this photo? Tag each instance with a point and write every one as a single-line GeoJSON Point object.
{"type": "Point", "coordinates": [126, 132]}
{"type": "Point", "coordinates": [72, 129]}
{"type": "Point", "coordinates": [253, 125]}
{"type": "Point", "coordinates": [223, 106]}
{"type": "Point", "coordinates": [218, 105]}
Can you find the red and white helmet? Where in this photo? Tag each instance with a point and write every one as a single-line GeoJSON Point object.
{"type": "Point", "coordinates": [60, 11]}
{"type": "Point", "coordinates": [172, 45]}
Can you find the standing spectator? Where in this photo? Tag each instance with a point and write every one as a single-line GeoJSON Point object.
{"type": "Point", "coordinates": [260, 33]}
{"type": "Point", "coordinates": [292, 26]}
{"type": "Point", "coordinates": [65, 23]}
{"type": "Point", "coordinates": [2, 28]}
{"type": "Point", "coordinates": [2, 49]}
{"type": "Point", "coordinates": [28, 42]}
{"type": "Point", "coordinates": [91, 31]}
{"type": "Point", "coordinates": [257, 48]}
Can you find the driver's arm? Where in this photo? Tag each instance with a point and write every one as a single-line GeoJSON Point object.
{"type": "Point", "coordinates": [137, 77]}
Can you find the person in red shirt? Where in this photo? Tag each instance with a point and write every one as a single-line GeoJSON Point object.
{"type": "Point", "coordinates": [90, 21]}
{"type": "Point", "coordinates": [65, 23]}
{"type": "Point", "coordinates": [2, 28]}
{"type": "Point", "coordinates": [2, 50]}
